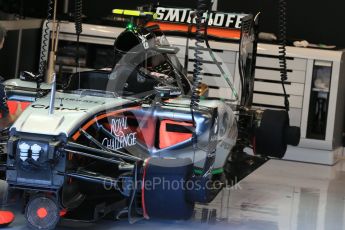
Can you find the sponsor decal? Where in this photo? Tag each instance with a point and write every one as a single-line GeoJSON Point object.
{"type": "Point", "coordinates": [58, 108]}
{"type": "Point", "coordinates": [185, 16]}
{"type": "Point", "coordinates": [79, 100]}
{"type": "Point", "coordinates": [122, 136]}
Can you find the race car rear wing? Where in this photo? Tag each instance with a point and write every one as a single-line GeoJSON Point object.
{"type": "Point", "coordinates": [181, 21]}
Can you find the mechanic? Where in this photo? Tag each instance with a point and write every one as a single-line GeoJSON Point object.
{"type": "Point", "coordinates": [6, 217]}
{"type": "Point", "coordinates": [3, 103]}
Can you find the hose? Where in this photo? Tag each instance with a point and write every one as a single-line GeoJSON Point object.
{"type": "Point", "coordinates": [200, 39]}
{"type": "Point", "coordinates": [78, 23]}
{"type": "Point", "coordinates": [45, 41]}
{"type": "Point", "coordinates": [202, 6]}
{"type": "Point", "coordinates": [78, 17]}
{"type": "Point", "coordinates": [282, 49]}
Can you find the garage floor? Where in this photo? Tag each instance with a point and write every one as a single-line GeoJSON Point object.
{"type": "Point", "coordinates": [279, 195]}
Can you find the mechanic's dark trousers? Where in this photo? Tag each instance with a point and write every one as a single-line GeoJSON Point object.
{"type": "Point", "coordinates": [3, 103]}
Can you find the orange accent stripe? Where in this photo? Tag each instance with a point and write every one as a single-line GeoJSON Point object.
{"type": "Point", "coordinates": [17, 106]}
{"type": "Point", "coordinates": [13, 107]}
{"type": "Point", "coordinates": [223, 33]}
{"type": "Point", "coordinates": [94, 120]}
{"type": "Point", "coordinates": [145, 214]}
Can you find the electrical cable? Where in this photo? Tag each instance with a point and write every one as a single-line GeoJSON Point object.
{"type": "Point", "coordinates": [200, 39]}
{"type": "Point", "coordinates": [201, 36]}
{"type": "Point", "coordinates": [186, 56]}
{"type": "Point", "coordinates": [45, 40]}
{"type": "Point", "coordinates": [282, 49]}
{"type": "Point", "coordinates": [78, 17]}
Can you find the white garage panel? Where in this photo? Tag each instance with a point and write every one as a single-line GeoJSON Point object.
{"type": "Point", "coordinates": [221, 56]}
{"type": "Point", "coordinates": [226, 56]}
{"type": "Point", "coordinates": [293, 89]}
{"type": "Point", "coordinates": [295, 101]}
{"type": "Point", "coordinates": [223, 93]}
{"type": "Point", "coordinates": [216, 81]}
{"type": "Point", "coordinates": [213, 69]}
{"type": "Point", "coordinates": [297, 76]}
{"type": "Point", "coordinates": [273, 62]}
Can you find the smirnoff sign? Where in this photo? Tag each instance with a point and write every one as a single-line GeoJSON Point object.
{"type": "Point", "coordinates": [216, 19]}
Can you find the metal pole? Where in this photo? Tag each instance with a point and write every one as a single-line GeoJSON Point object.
{"type": "Point", "coordinates": [215, 5]}
{"type": "Point", "coordinates": [65, 6]}
{"type": "Point", "coordinates": [52, 95]}
{"type": "Point", "coordinates": [19, 50]}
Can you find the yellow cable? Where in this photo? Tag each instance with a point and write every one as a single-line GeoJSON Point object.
{"type": "Point", "coordinates": [135, 13]}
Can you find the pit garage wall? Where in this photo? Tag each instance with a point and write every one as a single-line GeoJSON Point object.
{"type": "Point", "coordinates": [315, 21]}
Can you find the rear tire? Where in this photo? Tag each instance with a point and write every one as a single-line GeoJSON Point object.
{"type": "Point", "coordinates": [270, 136]}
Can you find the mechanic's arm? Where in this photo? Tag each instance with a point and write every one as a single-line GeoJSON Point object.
{"type": "Point", "coordinates": [3, 101]}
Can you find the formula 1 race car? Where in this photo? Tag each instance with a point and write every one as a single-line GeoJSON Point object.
{"type": "Point", "coordinates": [134, 140]}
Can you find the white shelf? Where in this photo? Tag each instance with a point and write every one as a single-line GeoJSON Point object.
{"type": "Point", "coordinates": [321, 90]}
{"type": "Point", "coordinates": [22, 24]}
